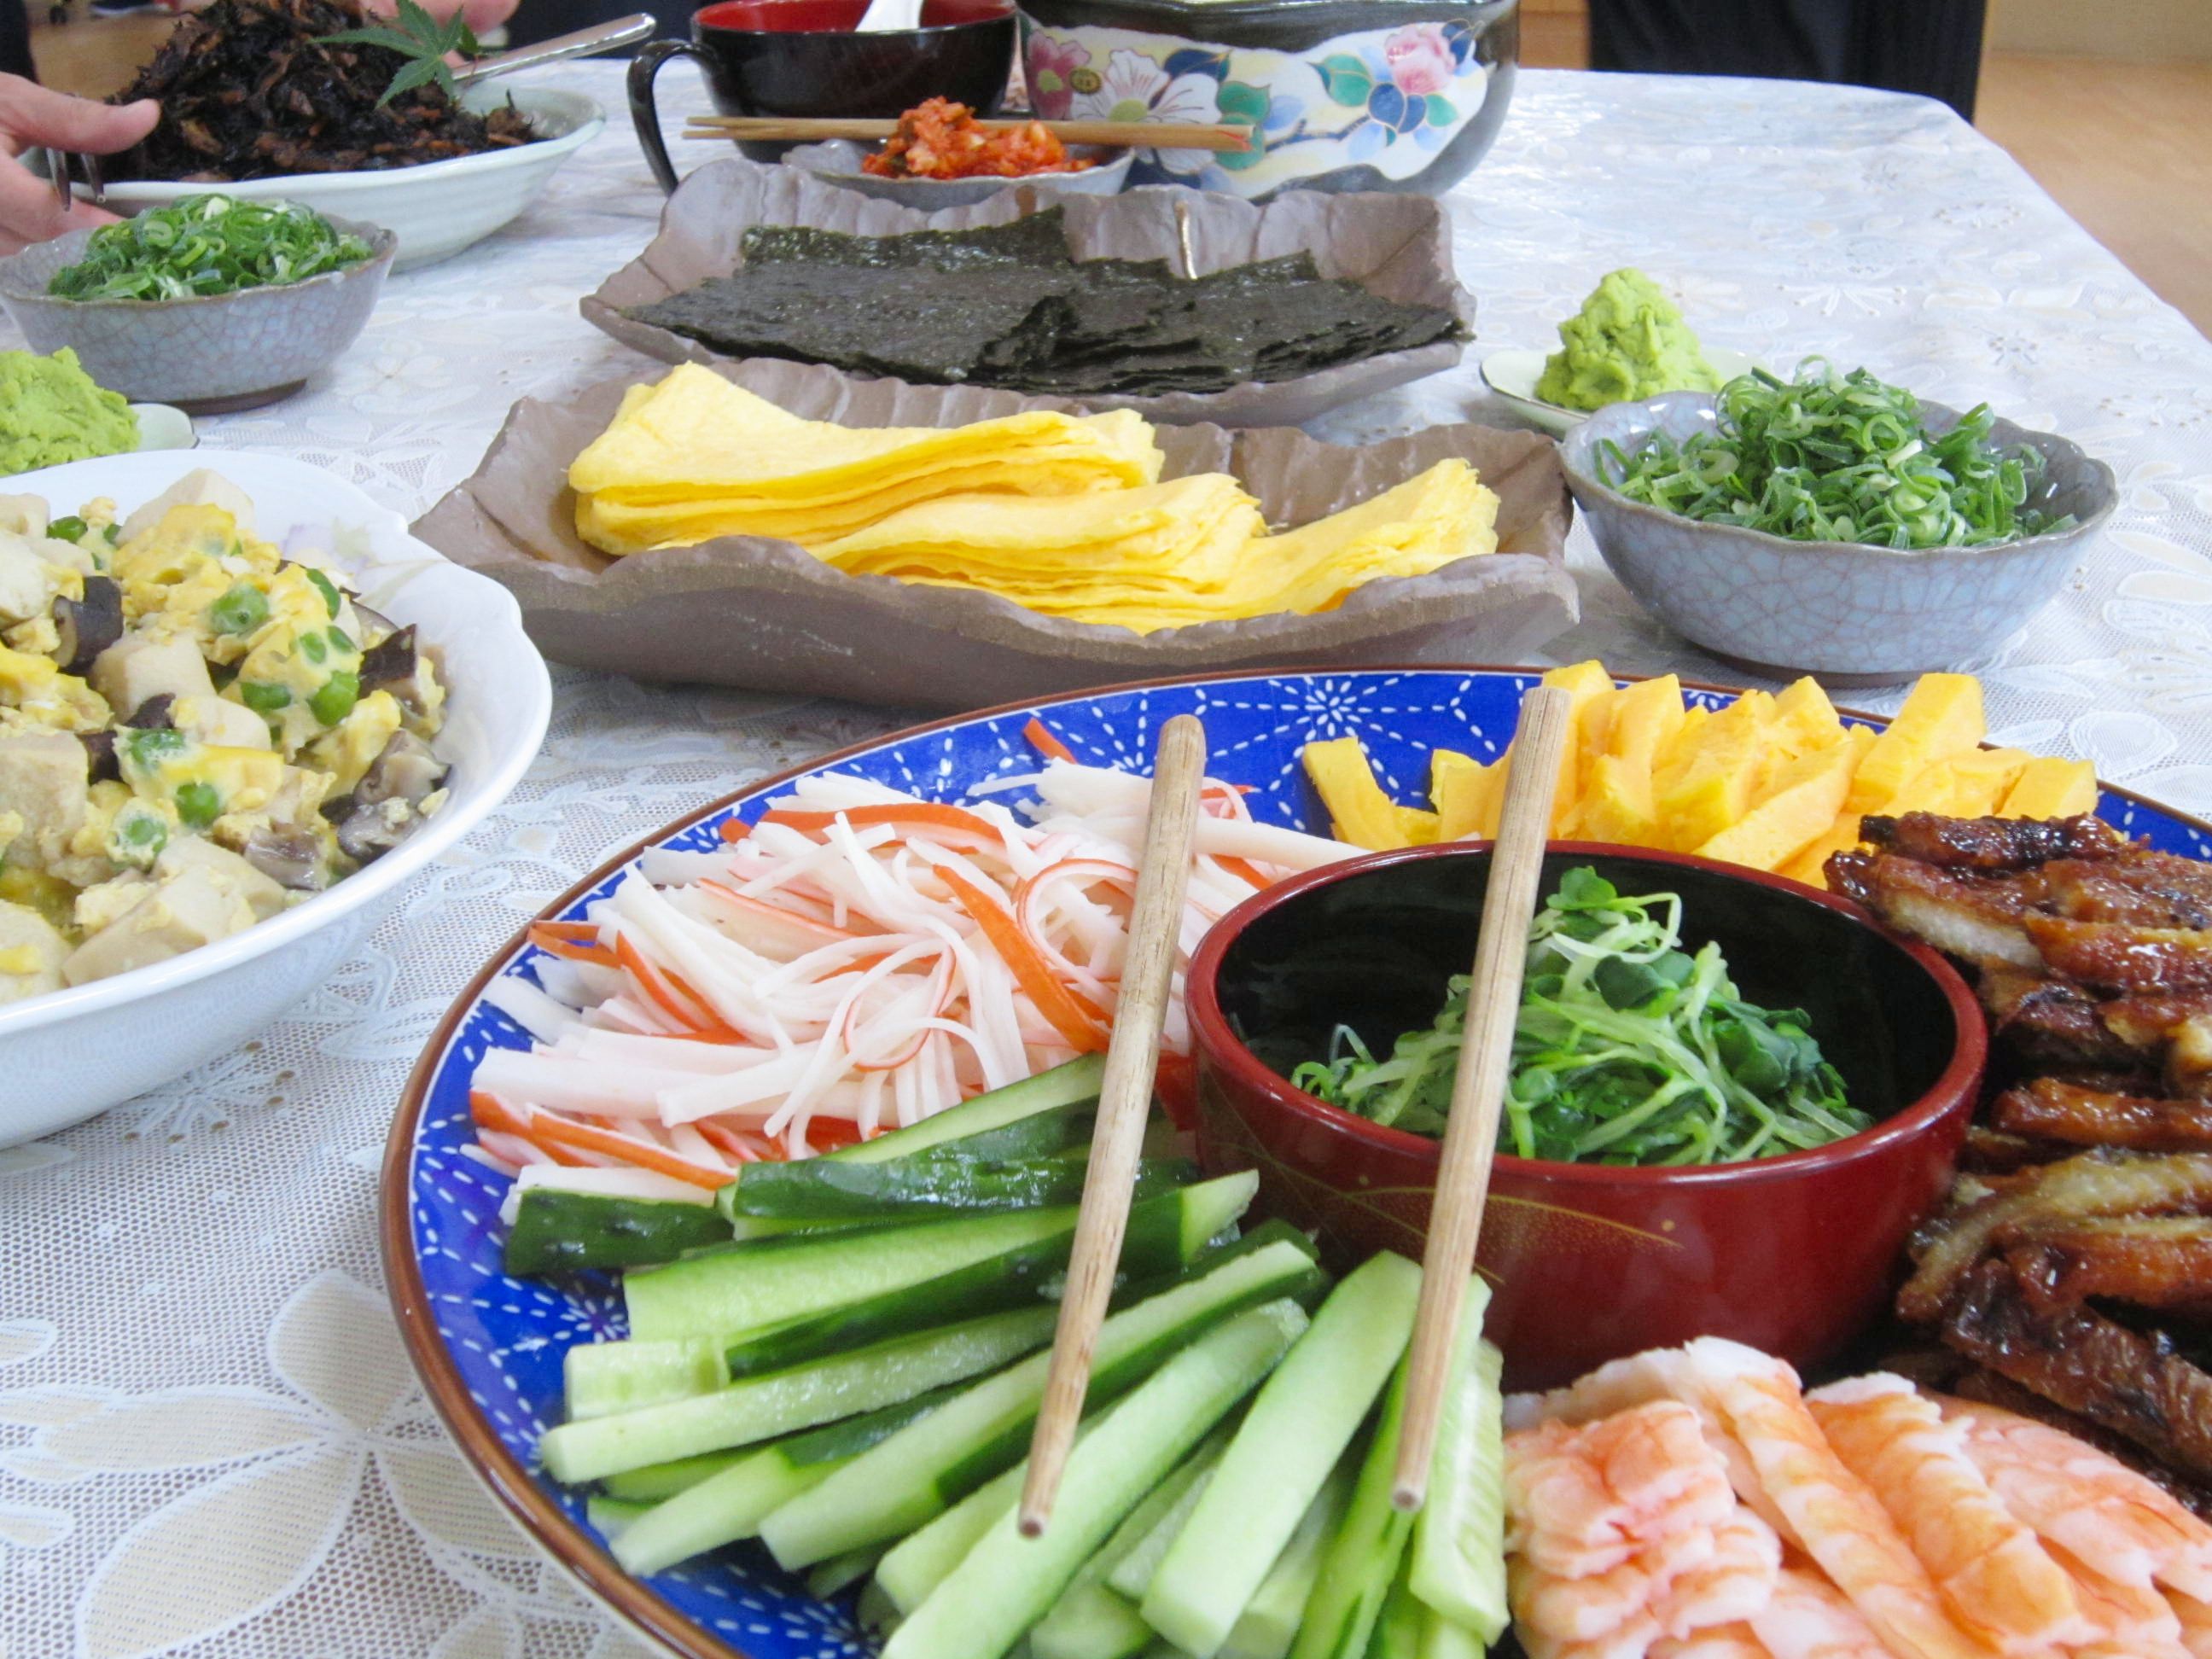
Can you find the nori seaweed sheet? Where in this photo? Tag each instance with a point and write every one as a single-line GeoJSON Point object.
{"type": "Point", "coordinates": [1006, 305]}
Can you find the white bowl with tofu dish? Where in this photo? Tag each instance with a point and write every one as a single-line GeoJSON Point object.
{"type": "Point", "coordinates": [240, 707]}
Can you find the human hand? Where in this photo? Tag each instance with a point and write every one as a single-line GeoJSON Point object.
{"type": "Point", "coordinates": [30, 211]}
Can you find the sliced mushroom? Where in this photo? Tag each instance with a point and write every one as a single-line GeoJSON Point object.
{"type": "Point", "coordinates": [153, 714]}
{"type": "Point", "coordinates": [88, 626]}
{"type": "Point", "coordinates": [102, 766]}
{"type": "Point", "coordinates": [290, 857]}
{"type": "Point", "coordinates": [404, 769]}
{"type": "Point", "coordinates": [393, 665]}
{"type": "Point", "coordinates": [377, 816]}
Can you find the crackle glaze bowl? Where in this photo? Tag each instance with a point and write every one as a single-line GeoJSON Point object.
{"type": "Point", "coordinates": [1852, 615]}
{"type": "Point", "coordinates": [209, 353]}
{"type": "Point", "coordinates": [1341, 94]}
{"type": "Point", "coordinates": [1589, 1261]}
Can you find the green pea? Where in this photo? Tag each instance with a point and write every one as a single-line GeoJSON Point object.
{"type": "Point", "coordinates": [198, 805]}
{"type": "Point", "coordinates": [340, 640]}
{"type": "Point", "coordinates": [264, 698]}
{"type": "Point", "coordinates": [335, 700]}
{"type": "Point", "coordinates": [241, 610]}
{"type": "Point", "coordinates": [70, 529]}
{"type": "Point", "coordinates": [328, 588]}
{"type": "Point", "coordinates": [147, 748]}
{"type": "Point", "coordinates": [113, 532]}
{"type": "Point", "coordinates": [314, 647]}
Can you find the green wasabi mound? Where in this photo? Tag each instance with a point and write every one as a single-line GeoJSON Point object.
{"type": "Point", "coordinates": [1628, 341]}
{"type": "Point", "coordinates": [51, 411]}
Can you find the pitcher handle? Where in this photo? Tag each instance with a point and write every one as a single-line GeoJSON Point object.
{"type": "Point", "coordinates": [645, 115]}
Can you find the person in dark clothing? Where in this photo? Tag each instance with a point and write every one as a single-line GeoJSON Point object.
{"type": "Point", "coordinates": [15, 40]}
{"type": "Point", "coordinates": [1933, 47]}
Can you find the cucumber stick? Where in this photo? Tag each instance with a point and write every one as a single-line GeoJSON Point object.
{"type": "Point", "coordinates": [1361, 1560]}
{"type": "Point", "coordinates": [1075, 1084]}
{"type": "Point", "coordinates": [1164, 1233]}
{"type": "Point", "coordinates": [899, 1486]}
{"type": "Point", "coordinates": [929, 1183]}
{"type": "Point", "coordinates": [610, 1517]}
{"type": "Point", "coordinates": [558, 1231]}
{"type": "Point", "coordinates": [731, 1289]}
{"type": "Point", "coordinates": [657, 1481]}
{"type": "Point", "coordinates": [600, 1378]}
{"type": "Point", "coordinates": [1007, 1582]}
{"type": "Point", "coordinates": [763, 1407]}
{"type": "Point", "coordinates": [1091, 1620]}
{"type": "Point", "coordinates": [833, 1576]}
{"type": "Point", "coordinates": [1459, 1539]}
{"type": "Point", "coordinates": [726, 1498]}
{"type": "Point", "coordinates": [1269, 1623]}
{"type": "Point", "coordinates": [1443, 1638]}
{"type": "Point", "coordinates": [925, 1559]}
{"type": "Point", "coordinates": [1403, 1621]}
{"type": "Point", "coordinates": [1297, 1428]}
{"type": "Point", "coordinates": [1131, 1576]}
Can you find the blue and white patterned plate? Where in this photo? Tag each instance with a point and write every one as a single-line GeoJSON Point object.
{"type": "Point", "coordinates": [489, 1347]}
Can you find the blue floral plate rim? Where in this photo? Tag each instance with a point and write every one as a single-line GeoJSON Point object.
{"type": "Point", "coordinates": [560, 1535]}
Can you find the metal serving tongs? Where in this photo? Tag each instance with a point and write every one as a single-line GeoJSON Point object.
{"type": "Point", "coordinates": [579, 43]}
{"type": "Point", "coordinates": [58, 164]}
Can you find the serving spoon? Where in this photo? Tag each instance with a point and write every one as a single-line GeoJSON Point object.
{"type": "Point", "coordinates": [577, 43]}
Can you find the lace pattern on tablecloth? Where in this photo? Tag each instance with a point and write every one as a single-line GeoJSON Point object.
{"type": "Point", "coordinates": [209, 1442]}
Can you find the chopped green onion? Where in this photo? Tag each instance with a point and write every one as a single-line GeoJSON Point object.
{"type": "Point", "coordinates": [1829, 457]}
{"type": "Point", "coordinates": [67, 530]}
{"type": "Point", "coordinates": [203, 244]}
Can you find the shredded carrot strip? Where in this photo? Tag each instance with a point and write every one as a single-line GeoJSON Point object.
{"type": "Point", "coordinates": [643, 1154]}
{"type": "Point", "coordinates": [672, 997]}
{"type": "Point", "coordinates": [1245, 869]}
{"type": "Point", "coordinates": [573, 947]}
{"type": "Point", "coordinates": [490, 1112]}
{"type": "Point", "coordinates": [1073, 1017]}
{"type": "Point", "coordinates": [1046, 741]}
{"type": "Point", "coordinates": [583, 932]}
{"type": "Point", "coordinates": [733, 829]}
{"type": "Point", "coordinates": [921, 814]}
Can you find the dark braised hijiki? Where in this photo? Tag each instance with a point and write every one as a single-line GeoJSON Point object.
{"type": "Point", "coordinates": [2071, 1274]}
{"type": "Point", "coordinates": [198, 731]}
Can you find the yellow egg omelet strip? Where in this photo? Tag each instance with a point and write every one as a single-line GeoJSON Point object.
{"type": "Point", "coordinates": [1769, 782]}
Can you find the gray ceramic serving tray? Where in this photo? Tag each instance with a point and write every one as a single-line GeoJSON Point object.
{"type": "Point", "coordinates": [766, 615]}
{"type": "Point", "coordinates": [1398, 246]}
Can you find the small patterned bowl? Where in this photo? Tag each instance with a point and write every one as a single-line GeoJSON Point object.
{"type": "Point", "coordinates": [1851, 614]}
{"type": "Point", "coordinates": [207, 355]}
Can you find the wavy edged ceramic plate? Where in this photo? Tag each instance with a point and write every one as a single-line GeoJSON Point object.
{"type": "Point", "coordinates": [1512, 372]}
{"type": "Point", "coordinates": [489, 1348]}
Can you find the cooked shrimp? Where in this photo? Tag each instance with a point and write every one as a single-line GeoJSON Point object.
{"type": "Point", "coordinates": [2196, 1618]}
{"type": "Point", "coordinates": [1621, 1385]}
{"type": "Point", "coordinates": [1992, 1574]}
{"type": "Point", "coordinates": [1716, 1642]}
{"type": "Point", "coordinates": [1732, 1586]}
{"type": "Point", "coordinates": [1581, 1499]}
{"type": "Point", "coordinates": [1584, 1608]}
{"type": "Point", "coordinates": [2130, 1619]}
{"type": "Point", "coordinates": [1809, 1617]}
{"type": "Point", "coordinates": [2100, 1510]}
{"type": "Point", "coordinates": [1842, 1525]}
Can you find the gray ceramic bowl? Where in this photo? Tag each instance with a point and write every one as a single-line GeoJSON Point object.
{"type": "Point", "coordinates": [1852, 615]}
{"type": "Point", "coordinates": [838, 161]}
{"type": "Point", "coordinates": [206, 355]}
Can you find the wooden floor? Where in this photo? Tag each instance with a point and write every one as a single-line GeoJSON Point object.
{"type": "Point", "coordinates": [2125, 147]}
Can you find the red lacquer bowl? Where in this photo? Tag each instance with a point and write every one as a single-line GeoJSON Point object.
{"type": "Point", "coordinates": [1792, 1254]}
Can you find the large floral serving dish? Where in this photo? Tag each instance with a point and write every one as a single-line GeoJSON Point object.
{"type": "Point", "coordinates": [1340, 94]}
{"type": "Point", "coordinates": [490, 1349]}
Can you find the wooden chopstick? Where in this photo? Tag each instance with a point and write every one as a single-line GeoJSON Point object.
{"type": "Point", "coordinates": [1125, 1099]}
{"type": "Point", "coordinates": [1163, 135]}
{"type": "Point", "coordinates": [1509, 900]}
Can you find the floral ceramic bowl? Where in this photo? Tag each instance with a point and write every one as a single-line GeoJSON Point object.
{"type": "Point", "coordinates": [1852, 615]}
{"type": "Point", "coordinates": [1342, 95]}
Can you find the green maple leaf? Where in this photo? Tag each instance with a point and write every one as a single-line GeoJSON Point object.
{"type": "Point", "coordinates": [423, 41]}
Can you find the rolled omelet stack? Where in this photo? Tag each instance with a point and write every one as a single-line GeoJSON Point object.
{"type": "Point", "coordinates": [1064, 515]}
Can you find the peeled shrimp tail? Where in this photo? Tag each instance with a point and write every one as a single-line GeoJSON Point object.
{"type": "Point", "coordinates": [1807, 1618]}
{"type": "Point", "coordinates": [1992, 1574]}
{"type": "Point", "coordinates": [1720, 1642]}
{"type": "Point", "coordinates": [1842, 1525]}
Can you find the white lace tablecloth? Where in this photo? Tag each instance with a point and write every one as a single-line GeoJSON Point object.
{"type": "Point", "coordinates": [210, 1441]}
